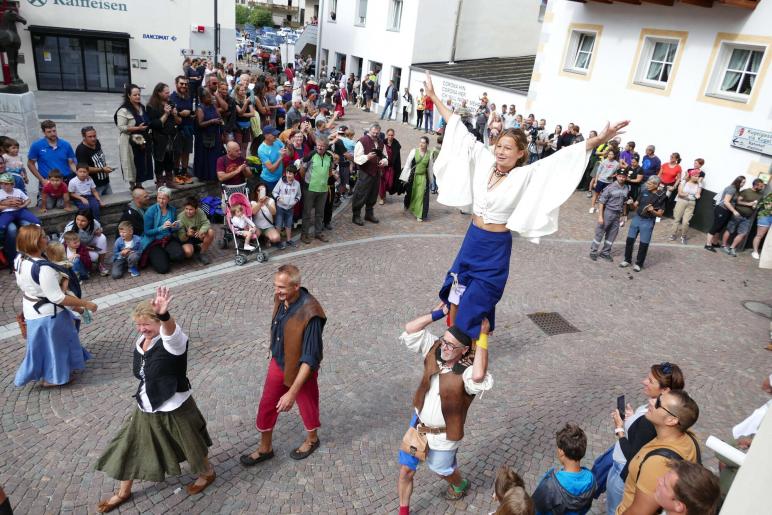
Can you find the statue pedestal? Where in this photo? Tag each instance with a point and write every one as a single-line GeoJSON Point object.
{"type": "Point", "coordinates": [19, 118]}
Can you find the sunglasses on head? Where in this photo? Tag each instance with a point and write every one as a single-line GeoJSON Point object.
{"type": "Point", "coordinates": [658, 404]}
{"type": "Point", "coordinates": [666, 367]}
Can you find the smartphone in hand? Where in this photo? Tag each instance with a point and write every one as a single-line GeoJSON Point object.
{"type": "Point", "coordinates": [621, 406]}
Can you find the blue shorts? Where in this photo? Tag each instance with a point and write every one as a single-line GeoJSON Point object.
{"type": "Point", "coordinates": [765, 221]}
{"type": "Point", "coordinates": [283, 218]}
{"type": "Point", "coordinates": [440, 462]}
{"type": "Point", "coordinates": [600, 186]}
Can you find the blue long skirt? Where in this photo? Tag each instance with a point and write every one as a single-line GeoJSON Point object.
{"type": "Point", "coordinates": [53, 350]}
{"type": "Point", "coordinates": [482, 266]}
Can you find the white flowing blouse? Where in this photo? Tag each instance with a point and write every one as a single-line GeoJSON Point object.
{"type": "Point", "coordinates": [527, 200]}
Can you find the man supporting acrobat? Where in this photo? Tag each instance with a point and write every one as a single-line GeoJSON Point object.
{"type": "Point", "coordinates": [454, 372]}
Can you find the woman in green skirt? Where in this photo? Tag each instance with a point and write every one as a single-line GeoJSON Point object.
{"type": "Point", "coordinates": [418, 174]}
{"type": "Point", "coordinates": [166, 427]}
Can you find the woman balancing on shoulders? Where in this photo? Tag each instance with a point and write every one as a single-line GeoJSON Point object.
{"type": "Point", "coordinates": [506, 196]}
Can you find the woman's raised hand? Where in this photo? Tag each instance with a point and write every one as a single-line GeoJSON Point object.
{"type": "Point", "coordinates": [428, 86]}
{"type": "Point", "coordinates": [162, 300]}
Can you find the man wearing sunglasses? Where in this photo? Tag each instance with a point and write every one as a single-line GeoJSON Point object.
{"type": "Point", "coordinates": [672, 414]}
{"type": "Point", "coordinates": [454, 372]}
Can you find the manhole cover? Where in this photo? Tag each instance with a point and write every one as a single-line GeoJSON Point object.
{"type": "Point", "coordinates": [552, 323]}
{"type": "Point", "coordinates": [760, 308]}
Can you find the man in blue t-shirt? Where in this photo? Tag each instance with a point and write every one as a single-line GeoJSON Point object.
{"type": "Point", "coordinates": [51, 152]}
{"type": "Point", "coordinates": [650, 163]}
{"type": "Point", "coordinates": [271, 153]}
{"type": "Point", "coordinates": [567, 490]}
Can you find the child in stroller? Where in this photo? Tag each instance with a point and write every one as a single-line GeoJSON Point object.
{"type": "Point", "coordinates": [243, 226]}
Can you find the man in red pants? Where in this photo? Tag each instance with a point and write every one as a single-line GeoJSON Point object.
{"type": "Point", "coordinates": [296, 350]}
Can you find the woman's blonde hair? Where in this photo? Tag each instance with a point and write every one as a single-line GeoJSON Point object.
{"type": "Point", "coordinates": [144, 310]}
{"type": "Point", "coordinates": [55, 252]}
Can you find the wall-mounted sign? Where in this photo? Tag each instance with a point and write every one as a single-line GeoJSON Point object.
{"type": "Point", "coordinates": [161, 37]}
{"type": "Point", "coordinates": [88, 4]}
{"type": "Point", "coordinates": [755, 140]}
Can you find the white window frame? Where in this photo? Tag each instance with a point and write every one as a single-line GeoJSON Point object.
{"type": "Point", "coordinates": [646, 58]}
{"type": "Point", "coordinates": [569, 61]}
{"type": "Point", "coordinates": [361, 17]}
{"type": "Point", "coordinates": [720, 68]}
{"type": "Point", "coordinates": [333, 8]}
{"type": "Point", "coordinates": [395, 15]}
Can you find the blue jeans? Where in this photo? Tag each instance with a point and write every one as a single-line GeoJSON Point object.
{"type": "Point", "coordinates": [428, 121]}
{"type": "Point", "coordinates": [79, 268]}
{"type": "Point", "coordinates": [390, 106]}
{"type": "Point", "coordinates": [615, 488]}
{"type": "Point", "coordinates": [93, 205]}
{"type": "Point", "coordinates": [642, 227]}
{"type": "Point", "coordinates": [104, 189]}
{"type": "Point", "coordinates": [9, 245]}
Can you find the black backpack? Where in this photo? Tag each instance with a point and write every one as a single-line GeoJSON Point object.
{"type": "Point", "coordinates": [669, 454]}
{"type": "Point", "coordinates": [74, 284]}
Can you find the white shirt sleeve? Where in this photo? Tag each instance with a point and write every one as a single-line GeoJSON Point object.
{"type": "Point", "coordinates": [175, 343]}
{"type": "Point", "coordinates": [360, 157]}
{"type": "Point", "coordinates": [49, 283]}
{"type": "Point", "coordinates": [551, 181]}
{"type": "Point", "coordinates": [454, 167]}
{"type": "Point", "coordinates": [473, 388]}
{"type": "Point", "coordinates": [419, 342]}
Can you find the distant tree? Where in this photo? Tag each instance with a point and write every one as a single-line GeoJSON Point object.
{"type": "Point", "coordinates": [260, 17]}
{"type": "Point", "coordinates": [242, 14]}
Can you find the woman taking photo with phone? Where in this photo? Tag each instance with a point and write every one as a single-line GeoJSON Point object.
{"type": "Point", "coordinates": [162, 248]}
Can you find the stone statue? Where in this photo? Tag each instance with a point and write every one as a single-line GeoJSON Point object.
{"type": "Point", "coordinates": [10, 44]}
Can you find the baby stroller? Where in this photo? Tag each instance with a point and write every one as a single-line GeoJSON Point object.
{"type": "Point", "coordinates": [239, 241]}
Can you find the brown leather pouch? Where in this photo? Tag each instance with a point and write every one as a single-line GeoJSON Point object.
{"type": "Point", "coordinates": [415, 444]}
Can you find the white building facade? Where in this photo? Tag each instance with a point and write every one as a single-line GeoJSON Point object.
{"type": "Point", "coordinates": [101, 45]}
{"type": "Point", "coordinates": [691, 79]}
{"type": "Point", "coordinates": [392, 35]}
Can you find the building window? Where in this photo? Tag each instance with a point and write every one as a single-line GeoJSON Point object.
{"type": "Point", "coordinates": [361, 17]}
{"type": "Point", "coordinates": [580, 49]}
{"type": "Point", "coordinates": [333, 9]}
{"type": "Point", "coordinates": [395, 15]}
{"type": "Point", "coordinates": [656, 62]}
{"type": "Point", "coordinates": [741, 70]}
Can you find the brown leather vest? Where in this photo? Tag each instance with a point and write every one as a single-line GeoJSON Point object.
{"type": "Point", "coordinates": [454, 400]}
{"type": "Point", "coordinates": [294, 327]}
{"type": "Point", "coordinates": [371, 167]}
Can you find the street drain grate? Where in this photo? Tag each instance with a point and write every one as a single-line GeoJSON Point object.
{"type": "Point", "coordinates": [552, 323]}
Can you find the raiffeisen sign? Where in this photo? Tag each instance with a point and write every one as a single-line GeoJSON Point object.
{"type": "Point", "coordinates": [88, 4]}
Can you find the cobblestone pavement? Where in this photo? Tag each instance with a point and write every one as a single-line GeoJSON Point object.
{"type": "Point", "coordinates": [685, 307]}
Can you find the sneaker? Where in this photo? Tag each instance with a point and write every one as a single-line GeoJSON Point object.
{"type": "Point", "coordinates": [588, 194]}
{"type": "Point", "coordinates": [728, 250]}
{"type": "Point", "coordinates": [103, 271]}
{"type": "Point", "coordinates": [755, 255]}
{"type": "Point", "coordinates": [592, 210]}
{"type": "Point", "coordinates": [607, 257]}
{"type": "Point", "coordinates": [133, 271]}
{"type": "Point", "coordinates": [282, 245]}
{"type": "Point", "coordinates": [203, 259]}
{"type": "Point", "coordinates": [732, 252]}
{"type": "Point", "coordinates": [291, 243]}
{"type": "Point", "coordinates": [249, 247]}
{"type": "Point", "coordinates": [594, 257]}
{"type": "Point", "coordinates": [709, 248]}
{"type": "Point", "coordinates": [328, 227]}
{"type": "Point", "coordinates": [636, 268]}
{"type": "Point", "coordinates": [683, 240]}
{"type": "Point", "coordinates": [672, 237]}
{"type": "Point", "coordinates": [624, 264]}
